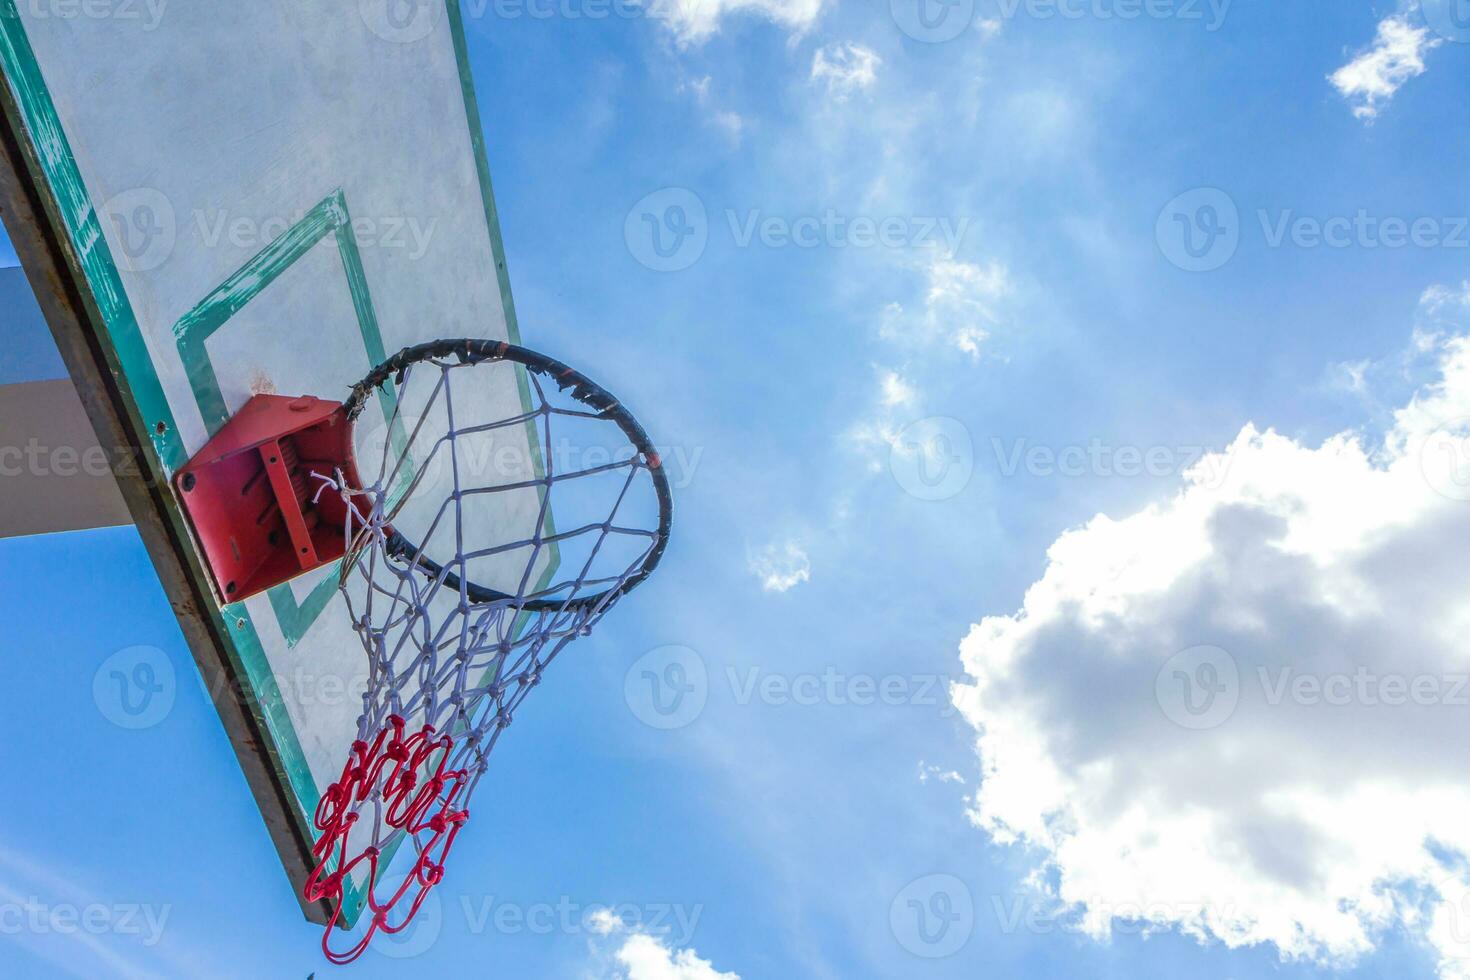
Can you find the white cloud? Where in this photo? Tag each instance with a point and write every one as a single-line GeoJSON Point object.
{"type": "Point", "coordinates": [846, 68]}
{"type": "Point", "coordinates": [928, 772]}
{"type": "Point", "coordinates": [876, 434]}
{"type": "Point", "coordinates": [640, 956]}
{"type": "Point", "coordinates": [1438, 299]}
{"type": "Point", "coordinates": [895, 390]}
{"type": "Point", "coordinates": [645, 958]}
{"type": "Point", "coordinates": [731, 122]}
{"type": "Point", "coordinates": [875, 439]}
{"type": "Point", "coordinates": [695, 21]}
{"type": "Point", "coordinates": [781, 568]}
{"type": "Point", "coordinates": [603, 922]}
{"type": "Point", "coordinates": [1374, 76]}
{"type": "Point", "coordinates": [1313, 822]}
{"type": "Point", "coordinates": [961, 304]}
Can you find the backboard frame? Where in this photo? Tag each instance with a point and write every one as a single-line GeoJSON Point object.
{"type": "Point", "coordinates": [55, 228]}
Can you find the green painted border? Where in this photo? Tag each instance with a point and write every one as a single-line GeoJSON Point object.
{"type": "Point", "coordinates": [127, 354]}
{"type": "Point", "coordinates": [497, 246]}
{"type": "Point", "coordinates": [192, 332]}
{"type": "Point", "coordinates": [330, 218]}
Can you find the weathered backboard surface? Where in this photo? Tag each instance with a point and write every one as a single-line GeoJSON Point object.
{"type": "Point", "coordinates": [214, 198]}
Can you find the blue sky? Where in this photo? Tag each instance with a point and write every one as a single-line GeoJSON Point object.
{"type": "Point", "coordinates": [896, 458]}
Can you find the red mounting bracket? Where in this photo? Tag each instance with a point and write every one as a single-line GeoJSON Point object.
{"type": "Point", "coordinates": [248, 493]}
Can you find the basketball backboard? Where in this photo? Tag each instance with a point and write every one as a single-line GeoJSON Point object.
{"type": "Point", "coordinates": [214, 199]}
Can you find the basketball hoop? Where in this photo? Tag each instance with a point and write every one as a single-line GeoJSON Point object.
{"type": "Point", "coordinates": [460, 616]}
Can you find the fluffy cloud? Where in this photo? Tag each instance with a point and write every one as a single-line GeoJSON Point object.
{"type": "Point", "coordinates": [781, 568]}
{"type": "Point", "coordinates": [645, 958]}
{"type": "Point", "coordinates": [1397, 55]}
{"type": "Point", "coordinates": [894, 389]}
{"type": "Point", "coordinates": [961, 304]}
{"type": "Point", "coordinates": [694, 21]}
{"type": "Point", "coordinates": [845, 68]}
{"type": "Point", "coordinates": [1240, 712]}
{"type": "Point", "coordinates": [640, 956]}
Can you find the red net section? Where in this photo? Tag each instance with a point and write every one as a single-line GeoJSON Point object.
{"type": "Point", "coordinates": [417, 794]}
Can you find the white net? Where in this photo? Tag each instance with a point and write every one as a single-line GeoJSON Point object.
{"type": "Point", "coordinates": [463, 591]}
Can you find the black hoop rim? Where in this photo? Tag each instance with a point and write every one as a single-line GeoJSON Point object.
{"type": "Point", "coordinates": [584, 390]}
